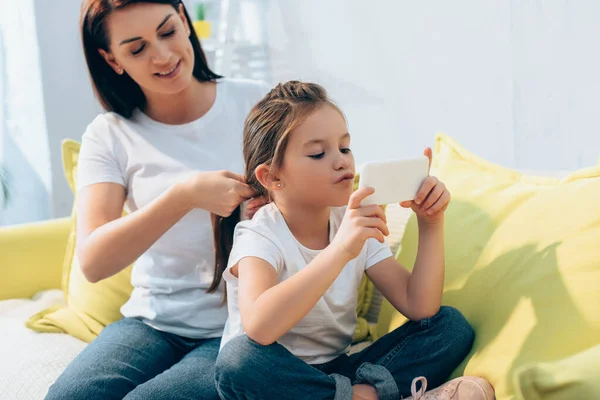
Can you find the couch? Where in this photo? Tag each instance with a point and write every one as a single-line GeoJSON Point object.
{"type": "Point", "coordinates": [523, 265]}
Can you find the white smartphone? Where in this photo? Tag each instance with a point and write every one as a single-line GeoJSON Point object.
{"type": "Point", "coordinates": [394, 181]}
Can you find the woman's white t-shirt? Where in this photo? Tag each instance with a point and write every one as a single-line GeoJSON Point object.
{"type": "Point", "coordinates": [147, 157]}
{"type": "Point", "coordinates": [326, 331]}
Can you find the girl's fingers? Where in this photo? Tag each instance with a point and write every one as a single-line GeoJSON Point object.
{"type": "Point", "coordinates": [372, 222]}
{"type": "Point", "coordinates": [434, 195]}
{"type": "Point", "coordinates": [373, 211]}
{"type": "Point", "coordinates": [428, 184]}
{"type": "Point", "coordinates": [440, 204]}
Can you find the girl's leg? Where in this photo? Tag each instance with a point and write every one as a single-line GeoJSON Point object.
{"type": "Point", "coordinates": [248, 370]}
{"type": "Point", "coordinates": [126, 354]}
{"type": "Point", "coordinates": [432, 348]}
{"type": "Point", "coordinates": [191, 378]}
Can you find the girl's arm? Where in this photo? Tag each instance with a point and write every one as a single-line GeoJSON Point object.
{"type": "Point", "coordinates": [418, 295]}
{"type": "Point", "coordinates": [269, 309]}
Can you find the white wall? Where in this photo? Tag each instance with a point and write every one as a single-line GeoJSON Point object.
{"type": "Point", "coordinates": [516, 82]}
{"type": "Point", "coordinates": [68, 97]}
{"type": "Point", "coordinates": [23, 137]}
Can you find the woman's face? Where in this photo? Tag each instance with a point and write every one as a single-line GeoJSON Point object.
{"type": "Point", "coordinates": [150, 42]}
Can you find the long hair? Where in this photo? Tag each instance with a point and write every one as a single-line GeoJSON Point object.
{"type": "Point", "coordinates": [120, 93]}
{"type": "Point", "coordinates": [266, 134]}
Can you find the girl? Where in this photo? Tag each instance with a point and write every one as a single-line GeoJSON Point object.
{"type": "Point", "coordinates": [294, 271]}
{"type": "Point", "coordinates": [169, 150]}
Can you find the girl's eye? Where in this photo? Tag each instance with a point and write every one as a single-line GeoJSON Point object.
{"type": "Point", "coordinates": [170, 33]}
{"type": "Point", "coordinates": [346, 150]}
{"type": "Point", "coordinates": [138, 51]}
{"type": "Point", "coordinates": [317, 156]}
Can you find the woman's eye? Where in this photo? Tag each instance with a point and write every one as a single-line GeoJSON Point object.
{"type": "Point", "coordinates": [138, 51]}
{"type": "Point", "coordinates": [317, 156]}
{"type": "Point", "coordinates": [170, 33]}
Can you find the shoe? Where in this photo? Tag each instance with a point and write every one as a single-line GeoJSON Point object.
{"type": "Point", "coordinates": [463, 388]}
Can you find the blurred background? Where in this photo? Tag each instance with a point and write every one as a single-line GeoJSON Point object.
{"type": "Point", "coordinates": [515, 81]}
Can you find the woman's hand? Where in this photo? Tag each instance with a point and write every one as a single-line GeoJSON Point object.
{"type": "Point", "coordinates": [218, 192]}
{"type": "Point", "coordinates": [254, 205]}
{"type": "Point", "coordinates": [431, 200]}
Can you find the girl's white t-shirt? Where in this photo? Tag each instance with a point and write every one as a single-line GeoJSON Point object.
{"type": "Point", "coordinates": [326, 331]}
{"type": "Point", "coordinates": [147, 157]}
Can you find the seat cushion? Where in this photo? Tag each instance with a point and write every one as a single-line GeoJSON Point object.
{"type": "Point", "coordinates": [30, 362]}
{"type": "Point", "coordinates": [522, 262]}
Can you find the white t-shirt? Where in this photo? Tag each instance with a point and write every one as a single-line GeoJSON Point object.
{"type": "Point", "coordinates": [326, 331]}
{"type": "Point", "coordinates": [147, 157]}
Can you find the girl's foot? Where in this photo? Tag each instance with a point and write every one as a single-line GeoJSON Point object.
{"type": "Point", "coordinates": [463, 388]}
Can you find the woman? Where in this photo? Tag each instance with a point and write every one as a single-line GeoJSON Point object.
{"type": "Point", "coordinates": [169, 150]}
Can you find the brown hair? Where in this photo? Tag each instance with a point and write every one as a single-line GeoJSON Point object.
{"type": "Point", "coordinates": [120, 93]}
{"type": "Point", "coordinates": [266, 134]}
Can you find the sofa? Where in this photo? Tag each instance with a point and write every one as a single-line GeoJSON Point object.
{"type": "Point", "coordinates": [522, 264]}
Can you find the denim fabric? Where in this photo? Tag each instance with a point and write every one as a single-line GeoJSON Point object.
{"type": "Point", "coordinates": [432, 347]}
{"type": "Point", "coordinates": [131, 360]}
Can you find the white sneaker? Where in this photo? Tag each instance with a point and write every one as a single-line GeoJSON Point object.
{"type": "Point", "coordinates": [463, 388]}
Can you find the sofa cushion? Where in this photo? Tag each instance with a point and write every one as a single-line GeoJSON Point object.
{"type": "Point", "coordinates": [575, 377]}
{"type": "Point", "coordinates": [90, 306]}
{"type": "Point", "coordinates": [31, 361]}
{"type": "Point", "coordinates": [522, 262]}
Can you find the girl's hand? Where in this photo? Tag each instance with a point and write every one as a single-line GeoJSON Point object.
{"type": "Point", "coordinates": [360, 224]}
{"type": "Point", "coordinates": [431, 200]}
{"type": "Point", "coordinates": [218, 192]}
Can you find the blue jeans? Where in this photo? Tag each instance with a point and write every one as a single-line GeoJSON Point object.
{"type": "Point", "coordinates": [131, 360]}
{"type": "Point", "coordinates": [432, 347]}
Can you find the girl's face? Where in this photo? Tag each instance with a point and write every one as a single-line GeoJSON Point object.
{"type": "Point", "coordinates": [318, 166]}
{"type": "Point", "coordinates": [151, 43]}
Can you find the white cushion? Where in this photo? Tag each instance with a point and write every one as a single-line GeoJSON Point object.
{"type": "Point", "coordinates": [29, 361]}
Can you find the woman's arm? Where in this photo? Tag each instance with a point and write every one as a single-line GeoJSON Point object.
{"type": "Point", "coordinates": [107, 242]}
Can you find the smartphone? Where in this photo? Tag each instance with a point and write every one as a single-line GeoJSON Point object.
{"type": "Point", "coordinates": [394, 181]}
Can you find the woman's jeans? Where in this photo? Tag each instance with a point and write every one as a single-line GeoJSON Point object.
{"type": "Point", "coordinates": [132, 360]}
{"type": "Point", "coordinates": [432, 347]}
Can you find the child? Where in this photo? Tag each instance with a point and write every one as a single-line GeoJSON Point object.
{"type": "Point", "coordinates": [294, 271]}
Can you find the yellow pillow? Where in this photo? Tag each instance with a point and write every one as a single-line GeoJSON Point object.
{"type": "Point", "coordinates": [90, 306]}
{"type": "Point", "coordinates": [576, 377]}
{"type": "Point", "coordinates": [522, 262]}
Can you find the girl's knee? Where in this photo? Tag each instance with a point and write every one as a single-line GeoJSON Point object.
{"type": "Point", "coordinates": [237, 358]}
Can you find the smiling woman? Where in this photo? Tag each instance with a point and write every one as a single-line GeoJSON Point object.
{"type": "Point", "coordinates": [136, 54]}
{"type": "Point", "coordinates": [168, 151]}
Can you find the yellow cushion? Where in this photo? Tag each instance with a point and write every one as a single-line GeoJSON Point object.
{"type": "Point", "coordinates": [576, 377]}
{"type": "Point", "coordinates": [90, 306]}
{"type": "Point", "coordinates": [522, 262]}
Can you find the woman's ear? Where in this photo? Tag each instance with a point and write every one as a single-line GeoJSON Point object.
{"type": "Point", "coordinates": [186, 24]}
{"type": "Point", "coordinates": [110, 60]}
{"type": "Point", "coordinates": [267, 179]}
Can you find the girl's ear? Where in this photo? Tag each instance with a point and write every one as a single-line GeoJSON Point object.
{"type": "Point", "coordinates": [267, 179]}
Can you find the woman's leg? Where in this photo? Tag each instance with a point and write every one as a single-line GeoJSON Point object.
{"type": "Point", "coordinates": [432, 348]}
{"type": "Point", "coordinates": [191, 378]}
{"type": "Point", "coordinates": [126, 354]}
{"type": "Point", "coordinates": [248, 370]}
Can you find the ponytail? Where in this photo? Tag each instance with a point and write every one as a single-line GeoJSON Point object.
{"type": "Point", "coordinates": [223, 228]}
